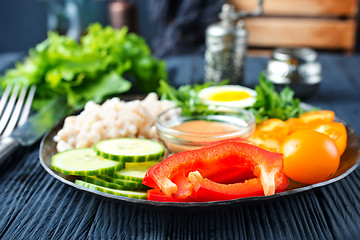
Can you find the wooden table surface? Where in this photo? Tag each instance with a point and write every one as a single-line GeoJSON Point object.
{"type": "Point", "coordinates": [34, 205]}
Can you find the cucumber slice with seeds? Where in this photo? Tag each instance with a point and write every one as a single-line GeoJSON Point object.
{"type": "Point", "coordinates": [130, 149]}
{"type": "Point", "coordinates": [140, 166]}
{"type": "Point", "coordinates": [134, 171]}
{"type": "Point", "coordinates": [126, 184]}
{"type": "Point", "coordinates": [132, 175]}
{"type": "Point", "coordinates": [83, 162]}
{"type": "Point", "coordinates": [106, 182]}
{"type": "Point", "coordinates": [124, 193]}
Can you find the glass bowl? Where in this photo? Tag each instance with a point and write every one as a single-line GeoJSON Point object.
{"type": "Point", "coordinates": [181, 132]}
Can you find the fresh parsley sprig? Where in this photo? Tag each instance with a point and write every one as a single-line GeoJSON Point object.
{"type": "Point", "coordinates": [271, 104]}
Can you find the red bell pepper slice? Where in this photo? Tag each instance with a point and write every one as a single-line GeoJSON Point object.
{"type": "Point", "coordinates": [148, 181]}
{"type": "Point", "coordinates": [207, 190]}
{"type": "Point", "coordinates": [232, 174]}
{"type": "Point", "coordinates": [185, 187]}
{"type": "Point", "coordinates": [267, 166]}
{"type": "Point", "coordinates": [236, 139]}
{"type": "Point", "coordinates": [156, 195]}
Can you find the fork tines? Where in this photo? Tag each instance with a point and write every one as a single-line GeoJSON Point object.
{"type": "Point", "coordinates": [13, 111]}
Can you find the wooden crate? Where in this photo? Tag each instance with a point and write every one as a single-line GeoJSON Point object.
{"type": "Point", "coordinates": [319, 24]}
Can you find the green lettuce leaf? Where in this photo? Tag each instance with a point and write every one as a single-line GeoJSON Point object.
{"type": "Point", "coordinates": [92, 69]}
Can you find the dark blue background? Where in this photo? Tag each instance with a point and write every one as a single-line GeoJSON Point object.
{"type": "Point", "coordinates": [23, 23]}
{"type": "Point", "coordinates": [180, 24]}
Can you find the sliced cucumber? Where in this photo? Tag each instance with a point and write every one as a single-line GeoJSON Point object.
{"type": "Point", "coordinates": [124, 193]}
{"type": "Point", "coordinates": [130, 149]}
{"type": "Point", "coordinates": [109, 182]}
{"type": "Point", "coordinates": [103, 183]}
{"type": "Point", "coordinates": [83, 162]}
{"type": "Point", "coordinates": [140, 166]}
{"type": "Point", "coordinates": [132, 175]}
{"type": "Point", "coordinates": [134, 171]}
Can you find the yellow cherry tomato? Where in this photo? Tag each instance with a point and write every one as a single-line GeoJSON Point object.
{"type": "Point", "coordinates": [309, 120]}
{"type": "Point", "coordinates": [273, 127]}
{"type": "Point", "coordinates": [270, 133]}
{"type": "Point", "coordinates": [320, 116]}
{"type": "Point", "coordinates": [309, 156]}
{"type": "Point", "coordinates": [337, 132]}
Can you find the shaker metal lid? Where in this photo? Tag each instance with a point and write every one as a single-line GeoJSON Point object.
{"type": "Point", "coordinates": [227, 13]}
{"type": "Point", "coordinates": [227, 24]}
{"type": "Point", "coordinates": [300, 54]}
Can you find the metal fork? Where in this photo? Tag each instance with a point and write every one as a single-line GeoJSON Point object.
{"type": "Point", "coordinates": [14, 109]}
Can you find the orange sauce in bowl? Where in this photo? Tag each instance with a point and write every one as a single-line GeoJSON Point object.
{"type": "Point", "coordinates": [182, 132]}
{"type": "Point", "coordinates": [200, 133]}
{"type": "Point", "coordinates": [203, 126]}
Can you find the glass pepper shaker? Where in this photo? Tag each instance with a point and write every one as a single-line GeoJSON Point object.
{"type": "Point", "coordinates": [226, 46]}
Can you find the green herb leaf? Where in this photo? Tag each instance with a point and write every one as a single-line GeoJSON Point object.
{"type": "Point", "coordinates": [271, 104]}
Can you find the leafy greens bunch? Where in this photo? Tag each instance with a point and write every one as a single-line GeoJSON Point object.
{"type": "Point", "coordinates": [92, 69]}
{"type": "Point", "coordinates": [271, 104]}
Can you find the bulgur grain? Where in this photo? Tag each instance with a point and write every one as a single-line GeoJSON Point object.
{"type": "Point", "coordinates": [113, 119]}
